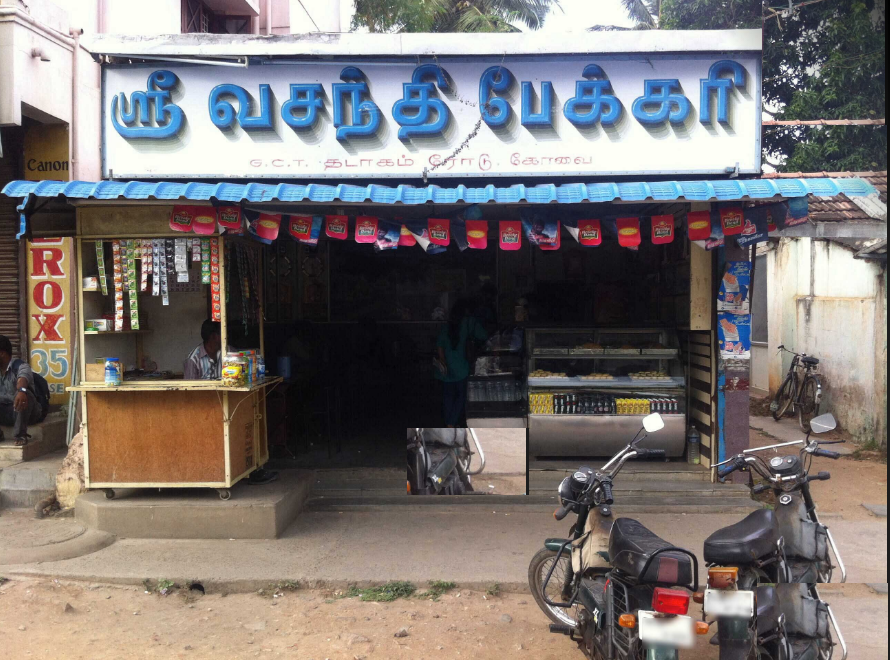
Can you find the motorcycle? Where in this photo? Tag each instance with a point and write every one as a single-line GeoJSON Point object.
{"type": "Point", "coordinates": [785, 546]}
{"type": "Point", "coordinates": [439, 461]}
{"type": "Point", "coordinates": [621, 593]}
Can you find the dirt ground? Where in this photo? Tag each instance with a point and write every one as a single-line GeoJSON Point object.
{"type": "Point", "coordinates": [852, 481]}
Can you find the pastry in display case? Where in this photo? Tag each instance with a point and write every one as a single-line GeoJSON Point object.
{"type": "Point", "coordinates": [589, 388]}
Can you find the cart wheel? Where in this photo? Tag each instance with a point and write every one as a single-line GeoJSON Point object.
{"type": "Point", "coordinates": [224, 493]}
{"type": "Point", "coordinates": [109, 494]}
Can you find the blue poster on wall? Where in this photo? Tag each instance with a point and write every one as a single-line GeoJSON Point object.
{"type": "Point", "coordinates": [734, 288]}
{"type": "Point", "coordinates": [734, 335]}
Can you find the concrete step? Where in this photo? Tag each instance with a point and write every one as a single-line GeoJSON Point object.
{"type": "Point", "coordinates": [47, 436]}
{"type": "Point", "coordinates": [632, 471]}
{"type": "Point", "coordinates": [253, 512]}
{"type": "Point", "coordinates": [24, 484]}
{"type": "Point", "coordinates": [676, 503]}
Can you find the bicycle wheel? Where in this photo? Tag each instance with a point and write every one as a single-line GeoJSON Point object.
{"type": "Point", "coordinates": [808, 407]}
{"type": "Point", "coordinates": [783, 398]}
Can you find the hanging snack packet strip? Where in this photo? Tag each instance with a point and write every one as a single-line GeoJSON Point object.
{"type": "Point", "coordinates": [163, 265]}
{"type": "Point", "coordinates": [181, 260]}
{"type": "Point", "coordinates": [145, 266]}
{"type": "Point", "coordinates": [100, 260]}
{"type": "Point", "coordinates": [155, 267]}
{"type": "Point", "coordinates": [205, 261]}
{"type": "Point", "coordinates": [216, 302]}
{"type": "Point", "coordinates": [196, 249]}
{"type": "Point", "coordinates": [117, 271]}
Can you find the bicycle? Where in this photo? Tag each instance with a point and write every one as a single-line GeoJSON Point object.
{"type": "Point", "coordinates": [801, 393]}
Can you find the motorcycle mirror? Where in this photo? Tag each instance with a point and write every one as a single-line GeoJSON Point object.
{"type": "Point", "coordinates": [654, 422]}
{"type": "Point", "coordinates": [823, 423]}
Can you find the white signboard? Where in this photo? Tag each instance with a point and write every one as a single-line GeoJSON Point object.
{"type": "Point", "coordinates": [518, 116]}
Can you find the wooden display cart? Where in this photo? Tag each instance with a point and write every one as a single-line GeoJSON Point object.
{"type": "Point", "coordinates": [162, 433]}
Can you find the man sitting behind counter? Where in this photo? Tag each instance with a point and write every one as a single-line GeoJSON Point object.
{"type": "Point", "coordinates": [204, 362]}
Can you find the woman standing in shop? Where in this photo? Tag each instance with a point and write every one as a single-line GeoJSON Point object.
{"type": "Point", "coordinates": [455, 338]}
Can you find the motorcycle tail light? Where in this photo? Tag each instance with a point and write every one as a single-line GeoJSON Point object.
{"type": "Point", "coordinates": [409, 487]}
{"type": "Point", "coordinates": [627, 621]}
{"type": "Point", "coordinates": [670, 601]}
{"type": "Point", "coordinates": [722, 577]}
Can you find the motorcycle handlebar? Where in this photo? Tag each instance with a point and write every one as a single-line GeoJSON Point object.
{"type": "Point", "coordinates": [822, 476]}
{"type": "Point", "coordinates": [826, 453]}
{"type": "Point", "coordinates": [607, 492]}
{"type": "Point", "coordinates": [728, 469]}
{"type": "Point", "coordinates": [562, 511]}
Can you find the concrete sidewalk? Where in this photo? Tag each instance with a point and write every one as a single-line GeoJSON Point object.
{"type": "Point", "coordinates": [473, 547]}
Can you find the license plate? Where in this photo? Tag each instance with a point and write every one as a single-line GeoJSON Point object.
{"type": "Point", "coordinates": [675, 631]}
{"type": "Point", "coordinates": [719, 602]}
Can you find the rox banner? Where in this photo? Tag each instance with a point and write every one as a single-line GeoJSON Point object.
{"type": "Point", "coordinates": [50, 268]}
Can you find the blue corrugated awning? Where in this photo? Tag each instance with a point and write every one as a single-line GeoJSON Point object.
{"type": "Point", "coordinates": [548, 193]}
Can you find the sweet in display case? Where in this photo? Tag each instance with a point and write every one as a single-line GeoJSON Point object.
{"type": "Point", "coordinates": [589, 389]}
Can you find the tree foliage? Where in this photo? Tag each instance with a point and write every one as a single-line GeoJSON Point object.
{"type": "Point", "coordinates": [824, 61]}
{"type": "Point", "coordinates": [450, 15]}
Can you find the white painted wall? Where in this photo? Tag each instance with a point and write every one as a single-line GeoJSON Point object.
{"type": "Point", "coordinates": [826, 303]}
{"type": "Point", "coordinates": [329, 15]}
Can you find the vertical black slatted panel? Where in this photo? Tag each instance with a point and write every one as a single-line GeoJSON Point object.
{"type": "Point", "coordinates": [11, 296]}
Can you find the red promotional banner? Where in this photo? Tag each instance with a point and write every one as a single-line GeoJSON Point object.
{"type": "Point", "coordinates": [406, 238]}
{"type": "Point", "coordinates": [181, 218]}
{"type": "Point", "coordinates": [590, 232]}
{"type": "Point", "coordinates": [555, 242]}
{"type": "Point", "coordinates": [477, 234]}
{"type": "Point", "coordinates": [229, 217]}
{"type": "Point", "coordinates": [628, 232]}
{"type": "Point", "coordinates": [440, 231]}
{"type": "Point", "coordinates": [300, 227]}
{"type": "Point", "coordinates": [366, 229]}
{"type": "Point", "coordinates": [699, 225]}
{"type": "Point", "coordinates": [336, 226]}
{"type": "Point", "coordinates": [267, 226]}
{"type": "Point", "coordinates": [510, 234]}
{"type": "Point", "coordinates": [732, 221]}
{"type": "Point", "coordinates": [205, 220]}
{"type": "Point", "coordinates": [662, 229]}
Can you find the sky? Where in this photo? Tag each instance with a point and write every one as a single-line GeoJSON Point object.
{"type": "Point", "coordinates": [577, 15]}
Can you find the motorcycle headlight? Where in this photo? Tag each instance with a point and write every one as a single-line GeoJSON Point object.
{"type": "Point", "coordinates": [565, 490]}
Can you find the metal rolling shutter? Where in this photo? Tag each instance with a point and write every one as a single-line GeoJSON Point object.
{"type": "Point", "coordinates": [10, 291]}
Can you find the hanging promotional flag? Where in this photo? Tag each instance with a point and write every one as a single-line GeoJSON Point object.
{"type": "Point", "coordinates": [551, 243]}
{"type": "Point", "coordinates": [540, 229]}
{"type": "Point", "coordinates": [181, 218]}
{"type": "Point", "coordinates": [366, 229]}
{"type": "Point", "coordinates": [628, 232]}
{"type": "Point", "coordinates": [253, 223]}
{"type": "Point", "coordinates": [590, 233]}
{"type": "Point", "coordinates": [267, 226]}
{"type": "Point", "coordinates": [406, 238]}
{"type": "Point", "coordinates": [477, 234]}
{"type": "Point", "coordinates": [388, 234]}
{"type": "Point", "coordinates": [756, 227]}
{"type": "Point", "coordinates": [798, 211]}
{"type": "Point", "coordinates": [717, 238]}
{"type": "Point", "coordinates": [300, 227]}
{"type": "Point", "coordinates": [662, 229]}
{"type": "Point", "coordinates": [698, 225]}
{"type": "Point", "coordinates": [421, 232]}
{"type": "Point", "coordinates": [440, 231]}
{"type": "Point", "coordinates": [775, 216]}
{"type": "Point", "coordinates": [229, 218]}
{"type": "Point", "coordinates": [509, 234]}
{"type": "Point", "coordinates": [336, 226]}
{"type": "Point", "coordinates": [315, 233]}
{"type": "Point", "coordinates": [204, 221]}
{"type": "Point", "coordinates": [459, 232]}
{"type": "Point", "coordinates": [732, 220]}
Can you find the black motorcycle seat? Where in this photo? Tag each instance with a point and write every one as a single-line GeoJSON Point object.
{"type": "Point", "coordinates": [744, 542]}
{"type": "Point", "coordinates": [810, 360]}
{"type": "Point", "coordinates": [767, 609]}
{"type": "Point", "coordinates": [630, 547]}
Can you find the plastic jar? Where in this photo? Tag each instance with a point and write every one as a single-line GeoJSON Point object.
{"type": "Point", "coordinates": [234, 370]}
{"type": "Point", "coordinates": [114, 374]}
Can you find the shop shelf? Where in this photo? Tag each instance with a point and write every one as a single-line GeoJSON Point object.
{"type": "Point", "coordinates": [620, 382]}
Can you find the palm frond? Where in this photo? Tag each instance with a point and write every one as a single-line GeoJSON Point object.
{"type": "Point", "coordinates": [642, 12]}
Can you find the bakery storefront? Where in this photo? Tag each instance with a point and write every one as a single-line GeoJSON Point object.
{"type": "Point", "coordinates": [331, 205]}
